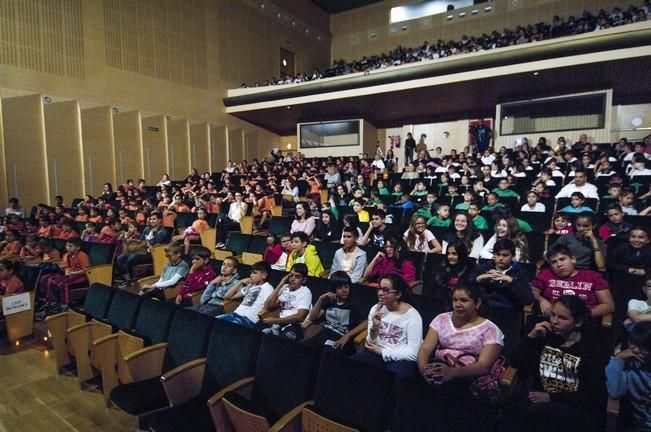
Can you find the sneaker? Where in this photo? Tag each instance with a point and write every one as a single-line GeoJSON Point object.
{"type": "Point", "coordinates": [221, 245]}
{"type": "Point", "coordinates": [125, 284]}
{"type": "Point", "coordinates": [40, 315]}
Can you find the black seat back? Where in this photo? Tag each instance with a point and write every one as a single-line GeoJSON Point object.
{"type": "Point", "coordinates": [154, 320]}
{"type": "Point", "coordinates": [123, 310]}
{"type": "Point", "coordinates": [354, 394]}
{"type": "Point", "coordinates": [232, 354]}
{"type": "Point", "coordinates": [98, 300]}
{"type": "Point", "coordinates": [187, 339]}
{"type": "Point", "coordinates": [285, 375]}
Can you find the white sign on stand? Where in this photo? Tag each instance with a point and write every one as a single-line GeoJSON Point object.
{"type": "Point", "coordinates": [16, 303]}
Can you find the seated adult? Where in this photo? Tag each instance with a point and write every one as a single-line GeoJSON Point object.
{"type": "Point", "coordinates": [580, 184]}
{"type": "Point", "coordinates": [588, 249]}
{"type": "Point", "coordinates": [377, 230]}
{"type": "Point", "coordinates": [343, 318]}
{"type": "Point", "coordinates": [506, 285]}
{"type": "Point", "coordinates": [350, 259]}
{"type": "Point", "coordinates": [294, 300]}
{"type": "Point", "coordinates": [137, 251]}
{"type": "Point", "coordinates": [395, 330]}
{"type": "Point", "coordinates": [303, 221]}
{"type": "Point", "coordinates": [463, 337]}
{"type": "Point", "coordinates": [392, 261]}
{"type": "Point", "coordinates": [562, 368]}
{"type": "Point", "coordinates": [563, 278]}
{"type": "Point", "coordinates": [418, 238]}
{"type": "Point", "coordinates": [236, 210]}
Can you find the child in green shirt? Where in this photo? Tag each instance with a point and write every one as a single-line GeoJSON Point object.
{"type": "Point", "coordinates": [442, 218]}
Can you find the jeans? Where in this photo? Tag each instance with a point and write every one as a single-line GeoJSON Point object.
{"type": "Point", "coordinates": [237, 319]}
{"type": "Point", "coordinates": [127, 261]}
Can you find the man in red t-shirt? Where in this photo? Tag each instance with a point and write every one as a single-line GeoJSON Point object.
{"type": "Point", "coordinates": [563, 278]}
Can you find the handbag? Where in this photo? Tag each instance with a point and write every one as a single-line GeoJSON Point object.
{"type": "Point", "coordinates": [485, 387]}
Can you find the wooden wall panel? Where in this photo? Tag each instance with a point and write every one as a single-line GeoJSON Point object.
{"type": "Point", "coordinates": [154, 148]}
{"type": "Point", "coordinates": [4, 189]}
{"type": "Point", "coordinates": [64, 156]}
{"type": "Point", "coordinates": [251, 143]}
{"type": "Point", "coordinates": [218, 148]}
{"type": "Point", "coordinates": [200, 147]}
{"type": "Point", "coordinates": [235, 145]}
{"type": "Point", "coordinates": [24, 139]}
{"type": "Point", "coordinates": [128, 145]}
{"type": "Point", "coordinates": [178, 148]}
{"type": "Point", "coordinates": [98, 148]}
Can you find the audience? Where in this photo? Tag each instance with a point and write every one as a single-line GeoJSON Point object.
{"type": "Point", "coordinates": [588, 22]}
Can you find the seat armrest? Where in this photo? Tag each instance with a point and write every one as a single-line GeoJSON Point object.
{"type": "Point", "coordinates": [184, 382]}
{"type": "Point", "coordinates": [147, 280]}
{"type": "Point", "coordinates": [147, 362]}
{"type": "Point", "coordinates": [100, 273]}
{"type": "Point", "coordinates": [196, 297]}
{"type": "Point", "coordinates": [361, 337]}
{"type": "Point", "coordinates": [291, 420]}
{"type": "Point", "coordinates": [78, 327]}
{"type": "Point", "coordinates": [508, 376]}
{"type": "Point", "coordinates": [237, 385]}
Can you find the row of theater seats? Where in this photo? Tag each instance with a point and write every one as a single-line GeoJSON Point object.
{"type": "Point", "coordinates": [179, 370]}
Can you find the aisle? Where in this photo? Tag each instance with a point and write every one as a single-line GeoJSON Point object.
{"type": "Point", "coordinates": [34, 398]}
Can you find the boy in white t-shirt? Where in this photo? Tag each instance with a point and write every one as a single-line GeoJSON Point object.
{"type": "Point", "coordinates": [253, 291]}
{"type": "Point", "coordinates": [294, 300]}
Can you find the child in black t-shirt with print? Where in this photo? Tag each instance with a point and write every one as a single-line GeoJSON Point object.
{"type": "Point", "coordinates": [343, 318]}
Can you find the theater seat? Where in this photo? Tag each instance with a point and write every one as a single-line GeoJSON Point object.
{"type": "Point", "coordinates": [95, 305]}
{"type": "Point", "coordinates": [187, 341]}
{"type": "Point", "coordinates": [283, 382]}
{"type": "Point", "coordinates": [232, 354]}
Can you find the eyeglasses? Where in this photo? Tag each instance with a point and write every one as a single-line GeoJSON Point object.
{"type": "Point", "coordinates": [386, 291]}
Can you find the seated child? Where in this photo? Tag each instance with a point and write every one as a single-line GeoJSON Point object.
{"type": "Point", "coordinates": [294, 300]}
{"type": "Point", "coordinates": [174, 271]}
{"type": "Point", "coordinates": [442, 217]}
{"type": "Point", "coordinates": [55, 286]}
{"type": "Point", "coordinates": [577, 201]}
{"type": "Point", "coordinates": [254, 292]}
{"type": "Point", "coordinates": [628, 374]}
{"type": "Point", "coordinates": [201, 273]}
{"type": "Point", "coordinates": [212, 299]}
{"type": "Point", "coordinates": [560, 225]}
{"type": "Point", "coordinates": [343, 318]}
{"type": "Point", "coordinates": [615, 225]}
{"type": "Point", "coordinates": [9, 282]}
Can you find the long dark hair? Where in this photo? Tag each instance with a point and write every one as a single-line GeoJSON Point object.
{"type": "Point", "coordinates": [471, 233]}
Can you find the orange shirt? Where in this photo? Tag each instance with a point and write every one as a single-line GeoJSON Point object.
{"type": "Point", "coordinates": [75, 261]}
{"type": "Point", "coordinates": [266, 203]}
{"type": "Point", "coordinates": [11, 250]}
{"type": "Point", "coordinates": [96, 219]}
{"type": "Point", "coordinates": [45, 231]}
{"type": "Point", "coordinates": [11, 285]}
{"type": "Point", "coordinates": [108, 235]}
{"type": "Point", "coordinates": [81, 218]}
{"type": "Point", "coordinates": [65, 235]}
{"type": "Point", "coordinates": [168, 219]}
{"type": "Point", "coordinates": [199, 225]}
